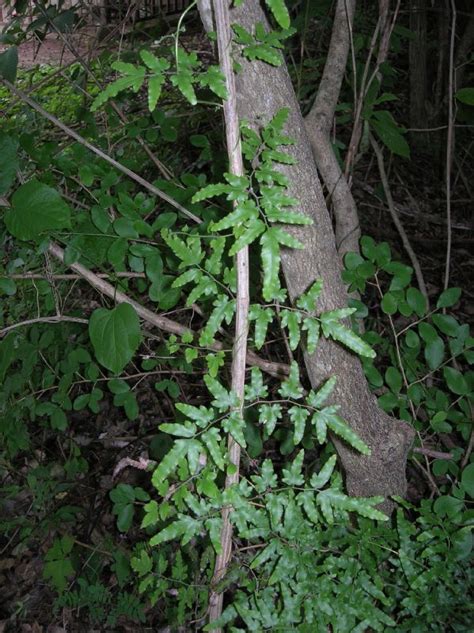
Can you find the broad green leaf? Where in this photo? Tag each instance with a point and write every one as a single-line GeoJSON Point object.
{"type": "Point", "coordinates": [9, 64]}
{"type": "Point", "coordinates": [285, 238]}
{"type": "Point", "coordinates": [263, 52]}
{"type": "Point", "coordinates": [465, 95]}
{"type": "Point", "coordinates": [36, 209]}
{"type": "Point", "coordinates": [193, 274]}
{"type": "Point", "coordinates": [214, 529]}
{"type": "Point", "coordinates": [427, 332]}
{"type": "Point", "coordinates": [8, 161]}
{"type": "Point", "coordinates": [115, 335]}
{"type": "Point", "coordinates": [265, 555]}
{"type": "Point", "coordinates": [280, 12]}
{"type": "Point", "coordinates": [125, 517]}
{"type": "Point", "coordinates": [389, 133]}
{"type": "Point", "coordinates": [213, 263]}
{"type": "Point", "coordinates": [270, 264]}
{"type": "Point", "coordinates": [267, 477]}
{"type": "Point", "coordinates": [336, 315]}
{"type": "Point", "coordinates": [256, 390]}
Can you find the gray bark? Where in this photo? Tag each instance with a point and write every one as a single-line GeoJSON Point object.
{"type": "Point", "coordinates": [263, 90]}
{"type": "Point", "coordinates": [318, 125]}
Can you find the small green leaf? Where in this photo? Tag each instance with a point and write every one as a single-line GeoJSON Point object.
{"type": "Point", "coordinates": [316, 399]}
{"type": "Point", "coordinates": [467, 480]}
{"type": "Point", "coordinates": [389, 303]}
{"type": "Point", "coordinates": [280, 12]}
{"type": "Point", "coordinates": [456, 381]}
{"type": "Point", "coordinates": [417, 301]}
{"type": "Point", "coordinates": [448, 298]}
{"type": "Point", "coordinates": [169, 463]}
{"type": "Point", "coordinates": [234, 424]}
{"type": "Point", "coordinates": [211, 439]}
{"type": "Point", "coordinates": [8, 161]}
{"type": "Point", "coordinates": [298, 415]}
{"type": "Point", "coordinates": [394, 379]}
{"type": "Point", "coordinates": [180, 430]}
{"type": "Point", "coordinates": [350, 339]}
{"type": "Point", "coordinates": [270, 264]}
{"type": "Point", "coordinates": [319, 480]}
{"type": "Point", "coordinates": [183, 80]}
{"type": "Point", "coordinates": [434, 352]}
{"type": "Point", "coordinates": [389, 133]}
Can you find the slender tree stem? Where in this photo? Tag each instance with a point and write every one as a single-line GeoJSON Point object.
{"type": "Point", "coordinates": [449, 146]}
{"type": "Point", "coordinates": [224, 42]}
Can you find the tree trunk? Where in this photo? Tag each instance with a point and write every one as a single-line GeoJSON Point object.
{"type": "Point", "coordinates": [418, 71]}
{"type": "Point", "coordinates": [263, 90]}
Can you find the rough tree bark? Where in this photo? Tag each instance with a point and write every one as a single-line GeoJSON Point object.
{"type": "Point", "coordinates": [263, 90]}
{"type": "Point", "coordinates": [318, 125]}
